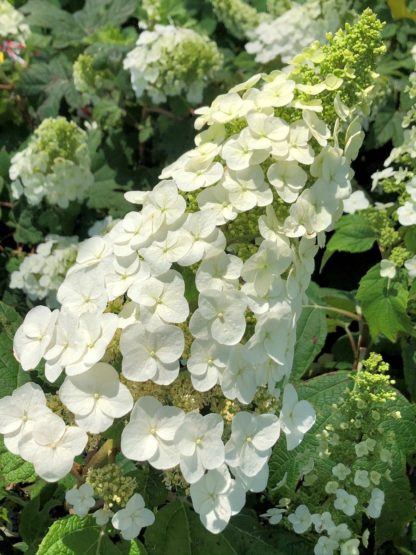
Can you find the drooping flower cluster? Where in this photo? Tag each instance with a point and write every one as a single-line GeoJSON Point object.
{"type": "Point", "coordinates": [357, 444]}
{"type": "Point", "coordinates": [169, 61]}
{"type": "Point", "coordinates": [12, 24]}
{"type": "Point", "coordinates": [40, 274]}
{"type": "Point", "coordinates": [238, 16]}
{"type": "Point", "coordinates": [207, 278]}
{"type": "Point", "coordinates": [55, 165]}
{"type": "Point", "coordinates": [285, 36]}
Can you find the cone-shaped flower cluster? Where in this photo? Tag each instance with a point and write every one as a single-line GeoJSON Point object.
{"type": "Point", "coordinates": [169, 61]}
{"type": "Point", "coordinates": [55, 165]}
{"type": "Point", "coordinates": [222, 250]}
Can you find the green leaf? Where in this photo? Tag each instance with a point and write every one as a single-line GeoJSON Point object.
{"type": "Point", "coordinates": [35, 517]}
{"type": "Point", "coordinates": [96, 15]}
{"type": "Point", "coordinates": [150, 485]}
{"type": "Point", "coordinates": [384, 304]}
{"type": "Point", "coordinates": [81, 536]}
{"type": "Point", "coordinates": [311, 333]}
{"type": "Point", "coordinates": [399, 508]}
{"type": "Point", "coordinates": [25, 231]}
{"type": "Point", "coordinates": [13, 469]}
{"type": "Point", "coordinates": [64, 28]}
{"type": "Point", "coordinates": [177, 529]}
{"type": "Point", "coordinates": [52, 81]}
{"type": "Point", "coordinates": [352, 233]}
{"type": "Point", "coordinates": [11, 375]}
{"type": "Point", "coordinates": [409, 367]}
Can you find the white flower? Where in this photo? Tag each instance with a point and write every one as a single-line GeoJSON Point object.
{"type": "Point", "coordinates": [82, 499]}
{"type": "Point", "coordinates": [376, 503]}
{"type": "Point", "coordinates": [206, 239]}
{"type": "Point", "coordinates": [299, 149]}
{"type": "Point", "coordinates": [133, 517]}
{"type": "Point", "coordinates": [34, 336]}
{"type": "Point", "coordinates": [274, 515]}
{"type": "Point", "coordinates": [361, 478]}
{"type": "Point", "coordinates": [341, 471]}
{"type": "Point", "coordinates": [296, 417]}
{"type": "Point", "coordinates": [387, 269]}
{"type": "Point", "coordinates": [206, 363]}
{"type": "Point", "coordinates": [355, 202]}
{"type": "Point", "coordinates": [217, 200]}
{"type": "Point", "coordinates": [163, 296]}
{"type": "Point", "coordinates": [82, 292]}
{"type": "Point", "coordinates": [301, 519]}
{"type": "Point", "coordinates": [223, 313]}
{"type": "Point", "coordinates": [340, 532]}
{"type": "Point", "coordinates": [247, 188]}
{"type": "Point", "coordinates": [51, 447]}
{"type": "Point", "coordinates": [199, 443]}
{"type": "Point", "coordinates": [151, 354]}
{"type": "Point", "coordinates": [216, 497]}
{"type": "Point", "coordinates": [410, 266]}
{"type": "Point", "coordinates": [149, 436]}
{"type": "Point", "coordinates": [19, 412]}
{"type": "Point", "coordinates": [288, 178]}
{"type": "Point", "coordinates": [351, 547]}
{"type": "Point", "coordinates": [345, 502]}
{"type": "Point", "coordinates": [96, 397]}
{"type": "Point", "coordinates": [219, 272]}
{"type": "Point", "coordinates": [325, 546]}
{"type": "Point", "coordinates": [407, 213]}
{"type": "Point", "coordinates": [102, 516]}
{"type": "Point", "coordinates": [239, 380]}
{"type": "Point", "coordinates": [252, 438]}
{"type": "Point", "coordinates": [239, 154]}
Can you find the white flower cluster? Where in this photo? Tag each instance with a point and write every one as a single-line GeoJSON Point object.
{"type": "Point", "coordinates": [169, 61]}
{"type": "Point", "coordinates": [129, 521]}
{"type": "Point", "coordinates": [40, 274]}
{"type": "Point", "coordinates": [55, 165]}
{"type": "Point", "coordinates": [296, 28]}
{"type": "Point", "coordinates": [267, 163]}
{"type": "Point", "coordinates": [12, 23]}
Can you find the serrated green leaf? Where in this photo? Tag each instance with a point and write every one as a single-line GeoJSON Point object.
{"type": "Point", "coordinates": [11, 375]}
{"type": "Point", "coordinates": [311, 333]}
{"type": "Point", "coordinates": [384, 304]}
{"type": "Point", "coordinates": [52, 81]}
{"type": "Point", "coordinates": [409, 366]}
{"type": "Point", "coordinates": [96, 15]}
{"type": "Point", "coordinates": [35, 517]}
{"type": "Point", "coordinates": [352, 233]}
{"type": "Point", "coordinates": [13, 469]}
{"type": "Point", "coordinates": [52, 543]}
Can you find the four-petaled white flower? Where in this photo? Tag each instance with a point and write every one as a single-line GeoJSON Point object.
{"type": "Point", "coordinates": [150, 434]}
{"type": "Point", "coordinates": [198, 440]}
{"type": "Point", "coordinates": [51, 447]}
{"type": "Point", "coordinates": [301, 519]}
{"type": "Point", "coordinates": [96, 397]}
{"type": "Point", "coordinates": [345, 502]}
{"type": "Point", "coordinates": [216, 497]}
{"type": "Point", "coordinates": [81, 499]}
{"type": "Point", "coordinates": [252, 437]}
{"type": "Point", "coordinates": [133, 517]}
{"type": "Point", "coordinates": [296, 417]}
{"type": "Point", "coordinates": [19, 412]}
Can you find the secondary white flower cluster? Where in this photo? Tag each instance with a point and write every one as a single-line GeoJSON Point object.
{"type": "Point", "coordinates": [296, 28]}
{"type": "Point", "coordinates": [235, 221]}
{"type": "Point", "coordinates": [12, 23]}
{"type": "Point", "coordinates": [55, 165]}
{"type": "Point", "coordinates": [169, 61]}
{"type": "Point", "coordinates": [129, 521]}
{"type": "Point", "coordinates": [40, 274]}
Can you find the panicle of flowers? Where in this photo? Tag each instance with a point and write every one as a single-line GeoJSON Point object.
{"type": "Point", "coordinates": [169, 61]}
{"type": "Point", "coordinates": [167, 289]}
{"type": "Point", "coordinates": [55, 165]}
{"type": "Point", "coordinates": [238, 16]}
{"type": "Point", "coordinates": [358, 445]}
{"type": "Point", "coordinates": [41, 273]}
{"type": "Point", "coordinates": [12, 24]}
{"type": "Point", "coordinates": [286, 35]}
